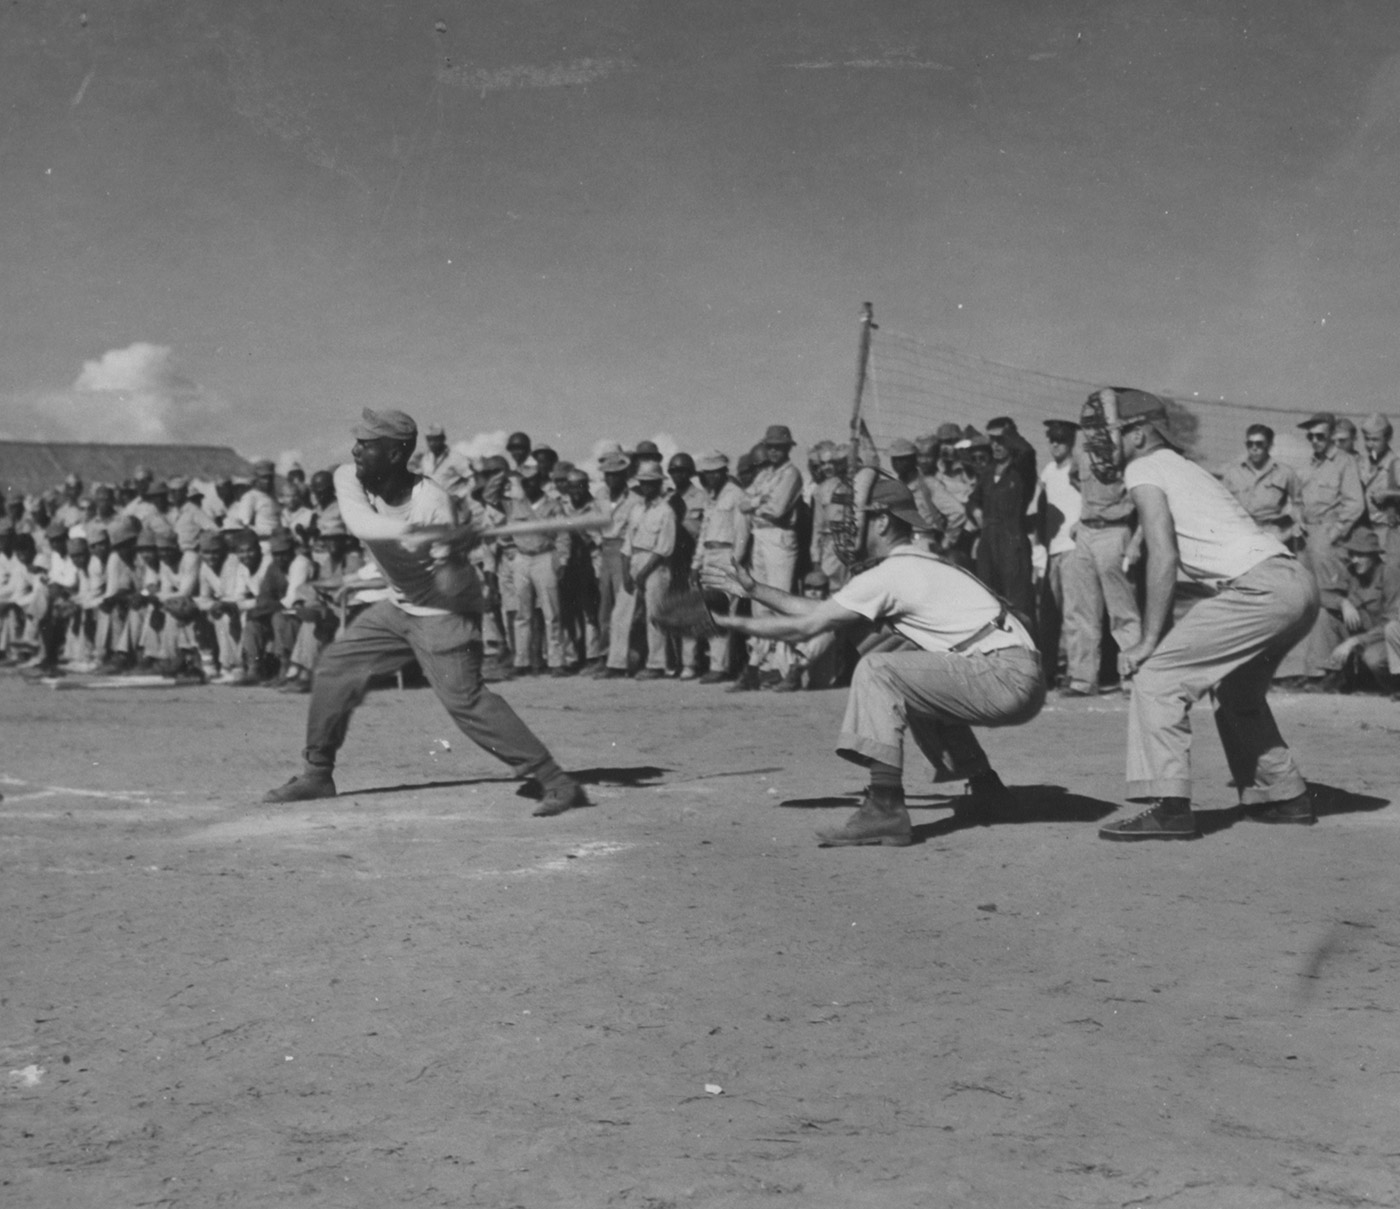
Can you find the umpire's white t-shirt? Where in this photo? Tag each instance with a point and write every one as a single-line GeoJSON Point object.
{"type": "Point", "coordinates": [931, 602]}
{"type": "Point", "coordinates": [1216, 539]}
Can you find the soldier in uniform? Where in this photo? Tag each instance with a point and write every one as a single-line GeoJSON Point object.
{"type": "Point", "coordinates": [1332, 504]}
{"type": "Point", "coordinates": [1380, 483]}
{"type": "Point", "coordinates": [1357, 618]}
{"type": "Point", "coordinates": [723, 539]}
{"type": "Point", "coordinates": [1269, 491]}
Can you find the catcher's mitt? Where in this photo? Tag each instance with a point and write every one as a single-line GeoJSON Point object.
{"type": "Point", "coordinates": [688, 612]}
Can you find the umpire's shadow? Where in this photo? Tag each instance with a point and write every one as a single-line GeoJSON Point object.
{"type": "Point", "coordinates": [1034, 804]}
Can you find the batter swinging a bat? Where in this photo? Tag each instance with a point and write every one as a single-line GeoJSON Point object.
{"type": "Point", "coordinates": [433, 614]}
{"type": "Point", "coordinates": [961, 660]}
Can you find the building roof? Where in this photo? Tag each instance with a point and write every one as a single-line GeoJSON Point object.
{"type": "Point", "coordinates": [35, 466]}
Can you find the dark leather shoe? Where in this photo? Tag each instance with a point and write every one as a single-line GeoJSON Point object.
{"type": "Point", "coordinates": [306, 787]}
{"type": "Point", "coordinates": [561, 796]}
{"type": "Point", "coordinates": [1298, 811]}
{"type": "Point", "coordinates": [872, 824]}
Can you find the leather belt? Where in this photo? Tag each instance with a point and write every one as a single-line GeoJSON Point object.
{"type": "Point", "coordinates": [1098, 522]}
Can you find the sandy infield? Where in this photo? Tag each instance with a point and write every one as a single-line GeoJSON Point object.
{"type": "Point", "coordinates": [417, 994]}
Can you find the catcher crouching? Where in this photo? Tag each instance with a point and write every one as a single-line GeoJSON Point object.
{"type": "Point", "coordinates": [964, 661]}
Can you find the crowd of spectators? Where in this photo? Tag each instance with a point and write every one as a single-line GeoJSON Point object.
{"type": "Point", "coordinates": [242, 582]}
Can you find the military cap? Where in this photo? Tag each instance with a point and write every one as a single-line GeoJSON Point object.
{"type": "Point", "coordinates": [649, 472]}
{"type": "Point", "coordinates": [681, 461]}
{"type": "Point", "coordinates": [614, 463]}
{"type": "Point", "coordinates": [494, 464]}
{"type": "Point", "coordinates": [1346, 426]}
{"type": "Point", "coordinates": [712, 459]}
{"type": "Point", "coordinates": [948, 433]}
{"type": "Point", "coordinates": [575, 475]}
{"type": "Point", "coordinates": [1320, 417]}
{"type": "Point", "coordinates": [545, 449]}
{"type": "Point", "coordinates": [778, 434]}
{"type": "Point", "coordinates": [240, 535]}
{"type": "Point", "coordinates": [892, 496]}
{"type": "Point", "coordinates": [902, 448]}
{"type": "Point", "coordinates": [926, 444]}
{"type": "Point", "coordinates": [281, 542]}
{"type": "Point", "coordinates": [647, 449]}
{"type": "Point", "coordinates": [1362, 541]}
{"type": "Point", "coordinates": [606, 447]}
{"type": "Point", "coordinates": [561, 470]}
{"type": "Point", "coordinates": [518, 440]}
{"type": "Point", "coordinates": [212, 542]}
{"type": "Point", "coordinates": [391, 424]}
{"type": "Point", "coordinates": [123, 529]}
{"type": "Point", "coordinates": [1376, 425]}
{"type": "Point", "coordinates": [972, 439]}
{"type": "Point", "coordinates": [434, 430]}
{"type": "Point", "coordinates": [1061, 431]}
{"type": "Point", "coordinates": [264, 466]}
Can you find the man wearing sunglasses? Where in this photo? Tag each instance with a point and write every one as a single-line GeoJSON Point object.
{"type": "Point", "coordinates": [1333, 502]}
{"type": "Point", "coordinates": [1270, 491]}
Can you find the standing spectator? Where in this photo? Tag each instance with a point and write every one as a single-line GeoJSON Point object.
{"type": "Point", "coordinates": [439, 463]}
{"type": "Point", "coordinates": [1096, 573]}
{"type": "Point", "coordinates": [1271, 492]}
{"type": "Point", "coordinates": [646, 572]}
{"type": "Point", "coordinates": [772, 507]}
{"type": "Point", "coordinates": [904, 462]}
{"type": "Point", "coordinates": [578, 584]}
{"type": "Point", "coordinates": [616, 503]}
{"type": "Point", "coordinates": [1000, 503]}
{"type": "Point", "coordinates": [1059, 520]}
{"type": "Point", "coordinates": [1380, 483]}
{"type": "Point", "coordinates": [1332, 504]}
{"type": "Point", "coordinates": [257, 509]}
{"type": "Point", "coordinates": [724, 539]}
{"type": "Point", "coordinates": [538, 558]}
{"type": "Point", "coordinates": [687, 500]}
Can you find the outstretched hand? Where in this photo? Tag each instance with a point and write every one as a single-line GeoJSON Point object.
{"type": "Point", "coordinates": [733, 579]}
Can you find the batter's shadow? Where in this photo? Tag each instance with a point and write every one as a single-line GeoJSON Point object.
{"type": "Point", "coordinates": [635, 777]}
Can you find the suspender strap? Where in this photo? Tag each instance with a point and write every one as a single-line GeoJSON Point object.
{"type": "Point", "coordinates": [998, 623]}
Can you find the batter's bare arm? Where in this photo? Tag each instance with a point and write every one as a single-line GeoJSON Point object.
{"type": "Point", "coordinates": [1159, 536]}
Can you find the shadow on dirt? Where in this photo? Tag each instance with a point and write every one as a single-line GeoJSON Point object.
{"type": "Point", "coordinates": [637, 777]}
{"type": "Point", "coordinates": [1328, 800]}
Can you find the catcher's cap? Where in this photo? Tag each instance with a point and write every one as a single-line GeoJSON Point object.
{"type": "Point", "coordinates": [212, 542]}
{"type": "Point", "coordinates": [615, 463]}
{"type": "Point", "coordinates": [816, 579]}
{"type": "Point", "coordinates": [435, 430]}
{"type": "Point", "coordinates": [712, 459]}
{"type": "Point", "coordinates": [1363, 541]}
{"type": "Point", "coordinates": [901, 448]}
{"type": "Point", "coordinates": [1376, 425]}
{"type": "Point", "coordinates": [123, 529]}
{"type": "Point", "coordinates": [281, 542]}
{"type": "Point", "coordinates": [948, 432]}
{"type": "Point", "coordinates": [778, 434]}
{"type": "Point", "coordinates": [891, 496]}
{"type": "Point", "coordinates": [391, 424]}
{"type": "Point", "coordinates": [1142, 407]}
{"type": "Point", "coordinates": [1319, 417]}
{"type": "Point", "coordinates": [649, 472]}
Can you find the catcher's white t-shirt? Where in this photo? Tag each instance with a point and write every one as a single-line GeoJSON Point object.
{"type": "Point", "coordinates": [933, 603]}
{"type": "Point", "coordinates": [1216, 539]}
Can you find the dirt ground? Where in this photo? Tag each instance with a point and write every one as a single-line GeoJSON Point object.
{"type": "Point", "coordinates": [419, 994]}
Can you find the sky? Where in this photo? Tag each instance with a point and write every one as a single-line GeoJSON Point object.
{"type": "Point", "coordinates": [241, 221]}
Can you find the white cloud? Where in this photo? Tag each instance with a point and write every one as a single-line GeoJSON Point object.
{"type": "Point", "coordinates": [128, 395]}
{"type": "Point", "coordinates": [549, 75]}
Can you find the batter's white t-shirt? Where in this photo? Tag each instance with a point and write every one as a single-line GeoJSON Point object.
{"type": "Point", "coordinates": [931, 602]}
{"type": "Point", "coordinates": [1216, 539]}
{"type": "Point", "coordinates": [408, 568]}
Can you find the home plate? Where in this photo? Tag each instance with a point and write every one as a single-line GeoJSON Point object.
{"type": "Point", "coordinates": [65, 683]}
